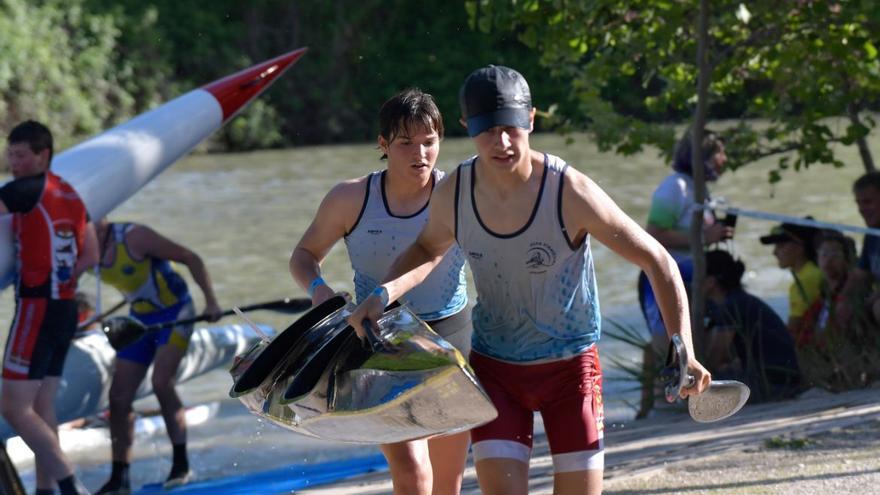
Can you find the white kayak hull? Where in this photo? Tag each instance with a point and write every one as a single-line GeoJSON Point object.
{"type": "Point", "coordinates": [109, 168]}
{"type": "Point", "coordinates": [88, 369]}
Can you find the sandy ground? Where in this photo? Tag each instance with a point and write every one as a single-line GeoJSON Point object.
{"type": "Point", "coordinates": [843, 460]}
{"type": "Point", "coordinates": [818, 443]}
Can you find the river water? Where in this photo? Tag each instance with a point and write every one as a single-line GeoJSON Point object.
{"type": "Point", "coordinates": [244, 212]}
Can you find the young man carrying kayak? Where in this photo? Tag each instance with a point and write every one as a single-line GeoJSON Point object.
{"type": "Point", "coordinates": [524, 221]}
{"type": "Point", "coordinates": [379, 215]}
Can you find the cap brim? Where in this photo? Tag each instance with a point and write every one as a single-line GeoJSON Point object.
{"type": "Point", "coordinates": [775, 238]}
{"type": "Point", "coordinates": [516, 117]}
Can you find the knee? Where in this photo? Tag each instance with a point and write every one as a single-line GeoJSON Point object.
{"type": "Point", "coordinates": [163, 383]}
{"type": "Point", "coordinates": [120, 401]}
{"type": "Point", "coordinates": [410, 476]}
{"type": "Point", "coordinates": [11, 410]}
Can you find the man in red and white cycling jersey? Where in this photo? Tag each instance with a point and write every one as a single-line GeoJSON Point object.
{"type": "Point", "coordinates": [54, 244]}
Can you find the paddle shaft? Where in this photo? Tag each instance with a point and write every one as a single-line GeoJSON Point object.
{"type": "Point", "coordinates": [116, 307]}
{"type": "Point", "coordinates": [293, 305]}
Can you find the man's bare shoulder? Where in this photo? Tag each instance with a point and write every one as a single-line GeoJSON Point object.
{"type": "Point", "coordinates": [446, 186]}
{"type": "Point", "coordinates": [348, 193]}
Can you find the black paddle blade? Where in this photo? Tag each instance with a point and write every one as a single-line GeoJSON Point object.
{"type": "Point", "coordinates": [287, 305]}
{"type": "Point", "coordinates": [123, 331]}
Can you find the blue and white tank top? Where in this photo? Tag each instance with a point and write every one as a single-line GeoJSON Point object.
{"type": "Point", "coordinates": [379, 237]}
{"type": "Point", "coordinates": [537, 297]}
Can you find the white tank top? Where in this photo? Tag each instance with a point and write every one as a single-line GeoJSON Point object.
{"type": "Point", "coordinates": [379, 237]}
{"type": "Point", "coordinates": [536, 293]}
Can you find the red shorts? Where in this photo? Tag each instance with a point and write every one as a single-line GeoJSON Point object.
{"type": "Point", "coordinates": [567, 393]}
{"type": "Point", "coordinates": [39, 338]}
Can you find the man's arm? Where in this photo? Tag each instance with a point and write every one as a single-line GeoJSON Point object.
{"type": "Point", "coordinates": [417, 261]}
{"type": "Point", "coordinates": [89, 256]}
{"type": "Point", "coordinates": [587, 209]}
{"type": "Point", "coordinates": [335, 217]}
{"type": "Point", "coordinates": [144, 241]}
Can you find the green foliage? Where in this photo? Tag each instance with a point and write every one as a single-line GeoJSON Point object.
{"type": "Point", "coordinates": [798, 64]}
{"type": "Point", "coordinates": [85, 65]}
{"type": "Point", "coordinates": [58, 67]}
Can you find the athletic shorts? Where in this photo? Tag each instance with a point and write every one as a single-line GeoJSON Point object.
{"type": "Point", "coordinates": [39, 338]}
{"type": "Point", "coordinates": [567, 393]}
{"type": "Point", "coordinates": [456, 329]}
{"type": "Point", "coordinates": [144, 350]}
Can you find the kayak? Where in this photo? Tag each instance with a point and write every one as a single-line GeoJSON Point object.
{"type": "Point", "coordinates": [88, 370]}
{"type": "Point", "coordinates": [92, 437]}
{"type": "Point", "coordinates": [316, 379]}
{"type": "Point", "coordinates": [109, 168]}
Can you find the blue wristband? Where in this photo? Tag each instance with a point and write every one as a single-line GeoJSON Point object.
{"type": "Point", "coordinates": [382, 293]}
{"type": "Point", "coordinates": [314, 285]}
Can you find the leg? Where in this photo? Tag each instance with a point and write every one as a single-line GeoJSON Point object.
{"type": "Point", "coordinates": [448, 458]}
{"type": "Point", "coordinates": [587, 482]}
{"type": "Point", "coordinates": [19, 397]}
{"type": "Point", "coordinates": [44, 405]}
{"type": "Point", "coordinates": [503, 446]}
{"type": "Point", "coordinates": [574, 422]}
{"type": "Point", "coordinates": [410, 467]}
{"type": "Point", "coordinates": [165, 365]}
{"type": "Point", "coordinates": [500, 476]}
{"type": "Point", "coordinates": [126, 379]}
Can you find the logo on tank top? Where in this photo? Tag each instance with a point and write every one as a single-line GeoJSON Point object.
{"type": "Point", "coordinates": [539, 257]}
{"type": "Point", "coordinates": [475, 255]}
{"type": "Point", "coordinates": [374, 231]}
{"type": "Point", "coordinates": [64, 245]}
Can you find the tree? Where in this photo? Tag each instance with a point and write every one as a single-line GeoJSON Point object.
{"type": "Point", "coordinates": [809, 68]}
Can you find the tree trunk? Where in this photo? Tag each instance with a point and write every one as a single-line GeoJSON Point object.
{"type": "Point", "coordinates": [862, 143]}
{"type": "Point", "coordinates": [697, 160]}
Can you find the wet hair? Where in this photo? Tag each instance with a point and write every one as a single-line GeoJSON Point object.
{"type": "Point", "coordinates": [848, 244]}
{"type": "Point", "coordinates": [726, 270]}
{"type": "Point", "coordinates": [35, 134]}
{"type": "Point", "coordinates": [870, 179]}
{"type": "Point", "coordinates": [682, 156]}
{"type": "Point", "coordinates": [407, 110]}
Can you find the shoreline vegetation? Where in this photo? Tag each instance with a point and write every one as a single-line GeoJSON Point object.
{"type": "Point", "coordinates": [813, 444]}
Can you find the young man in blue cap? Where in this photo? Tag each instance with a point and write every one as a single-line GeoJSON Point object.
{"type": "Point", "coordinates": [524, 220]}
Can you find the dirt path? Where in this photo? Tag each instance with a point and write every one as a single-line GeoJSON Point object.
{"type": "Point", "coordinates": [815, 444]}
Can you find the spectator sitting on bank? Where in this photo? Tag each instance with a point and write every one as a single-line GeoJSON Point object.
{"type": "Point", "coordinates": [866, 190]}
{"type": "Point", "coordinates": [845, 292]}
{"type": "Point", "coordinates": [838, 340]}
{"type": "Point", "coordinates": [793, 246]}
{"type": "Point", "coordinates": [747, 340]}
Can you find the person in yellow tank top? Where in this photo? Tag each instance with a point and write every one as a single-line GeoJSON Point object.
{"type": "Point", "coordinates": [137, 261]}
{"type": "Point", "coordinates": [793, 246]}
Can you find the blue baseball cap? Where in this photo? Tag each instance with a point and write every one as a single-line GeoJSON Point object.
{"type": "Point", "coordinates": [495, 95]}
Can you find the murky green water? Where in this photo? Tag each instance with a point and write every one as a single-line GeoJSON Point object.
{"type": "Point", "coordinates": [244, 212]}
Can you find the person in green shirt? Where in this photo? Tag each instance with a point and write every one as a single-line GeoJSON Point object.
{"type": "Point", "coordinates": [793, 246]}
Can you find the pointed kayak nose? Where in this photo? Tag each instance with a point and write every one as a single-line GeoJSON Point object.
{"type": "Point", "coordinates": [235, 91]}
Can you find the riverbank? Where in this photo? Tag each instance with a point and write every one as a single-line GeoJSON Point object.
{"type": "Point", "coordinates": [814, 444]}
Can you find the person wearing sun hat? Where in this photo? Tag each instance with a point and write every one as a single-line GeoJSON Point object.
{"type": "Point", "coordinates": [793, 246]}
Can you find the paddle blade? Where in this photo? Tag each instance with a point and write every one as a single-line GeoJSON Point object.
{"type": "Point", "coordinates": [123, 331]}
{"type": "Point", "coordinates": [721, 400]}
{"type": "Point", "coordinates": [290, 306]}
